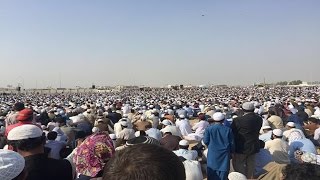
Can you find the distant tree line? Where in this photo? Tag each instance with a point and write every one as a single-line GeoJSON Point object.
{"type": "Point", "coordinates": [284, 83]}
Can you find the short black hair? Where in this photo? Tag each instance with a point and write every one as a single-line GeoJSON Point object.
{"type": "Point", "coordinates": [314, 120]}
{"type": "Point", "coordinates": [18, 106]}
{"type": "Point", "coordinates": [52, 135]}
{"type": "Point", "coordinates": [301, 171]}
{"type": "Point", "coordinates": [148, 126]}
{"type": "Point", "coordinates": [144, 162]}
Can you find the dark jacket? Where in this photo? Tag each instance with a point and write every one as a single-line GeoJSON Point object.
{"type": "Point", "coordinates": [40, 167]}
{"type": "Point", "coordinates": [246, 133]}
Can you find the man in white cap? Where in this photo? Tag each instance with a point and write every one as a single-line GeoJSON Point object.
{"type": "Point", "coordinates": [168, 126]}
{"type": "Point", "coordinates": [117, 126]}
{"type": "Point", "coordinates": [246, 132]}
{"type": "Point", "coordinates": [290, 126]}
{"type": "Point", "coordinates": [199, 129]}
{"type": "Point", "coordinates": [11, 165]}
{"type": "Point", "coordinates": [28, 140]}
{"type": "Point", "coordinates": [220, 142]}
{"type": "Point", "coordinates": [185, 152]}
{"type": "Point", "coordinates": [236, 176]}
{"type": "Point", "coordinates": [126, 133]}
{"type": "Point", "coordinates": [278, 148]}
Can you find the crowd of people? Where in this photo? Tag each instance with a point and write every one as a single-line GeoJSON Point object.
{"type": "Point", "coordinates": [214, 133]}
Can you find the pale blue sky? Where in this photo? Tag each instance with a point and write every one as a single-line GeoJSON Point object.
{"type": "Point", "coordinates": [158, 42]}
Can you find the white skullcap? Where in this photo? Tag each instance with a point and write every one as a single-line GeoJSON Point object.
{"type": "Point", "coordinates": [218, 116]}
{"type": "Point", "coordinates": [11, 164]}
{"type": "Point", "coordinates": [248, 106]}
{"type": "Point", "coordinates": [183, 143]}
{"type": "Point", "coordinates": [113, 136]}
{"type": "Point", "coordinates": [236, 176]}
{"type": "Point", "coordinates": [291, 124]}
{"type": "Point", "coordinates": [277, 132]}
{"type": "Point", "coordinates": [182, 116]}
{"type": "Point", "coordinates": [166, 122]}
{"type": "Point", "coordinates": [266, 127]}
{"type": "Point", "coordinates": [25, 131]}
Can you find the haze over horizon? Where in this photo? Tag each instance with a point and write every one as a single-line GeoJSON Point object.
{"type": "Point", "coordinates": [155, 43]}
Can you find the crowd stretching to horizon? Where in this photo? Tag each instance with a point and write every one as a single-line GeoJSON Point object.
{"type": "Point", "coordinates": [216, 133]}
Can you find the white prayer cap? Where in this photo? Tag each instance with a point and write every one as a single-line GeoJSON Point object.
{"type": "Point", "coordinates": [218, 116]}
{"type": "Point", "coordinates": [113, 136]}
{"type": "Point", "coordinates": [182, 116]}
{"type": "Point", "coordinates": [166, 122]}
{"type": "Point", "coordinates": [183, 143]}
{"type": "Point", "coordinates": [236, 176]}
{"type": "Point", "coordinates": [11, 164]}
{"type": "Point", "coordinates": [248, 106]}
{"type": "Point", "coordinates": [277, 132]}
{"type": "Point", "coordinates": [25, 131]}
{"type": "Point", "coordinates": [266, 127]}
{"type": "Point", "coordinates": [291, 124]}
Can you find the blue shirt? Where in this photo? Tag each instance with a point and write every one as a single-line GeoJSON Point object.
{"type": "Point", "coordinates": [304, 145]}
{"type": "Point", "coordinates": [220, 142]}
{"type": "Point", "coordinates": [262, 159]}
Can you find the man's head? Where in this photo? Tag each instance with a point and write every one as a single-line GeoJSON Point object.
{"type": "Point", "coordinates": [18, 106]}
{"type": "Point", "coordinates": [27, 139]}
{"type": "Point", "coordinates": [266, 129]}
{"type": "Point", "coordinates": [60, 120]}
{"type": "Point", "coordinates": [301, 171]}
{"type": "Point", "coordinates": [123, 123]}
{"type": "Point", "coordinates": [277, 133]}
{"type": "Point", "coordinates": [290, 125]}
{"type": "Point", "coordinates": [52, 135]}
{"type": "Point", "coordinates": [313, 121]}
{"type": "Point", "coordinates": [248, 107]}
{"type": "Point", "coordinates": [183, 144]}
{"type": "Point", "coordinates": [218, 117]}
{"type": "Point", "coordinates": [102, 124]}
{"type": "Point", "coordinates": [144, 162]}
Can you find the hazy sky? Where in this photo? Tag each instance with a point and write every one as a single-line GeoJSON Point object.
{"type": "Point", "coordinates": [158, 42]}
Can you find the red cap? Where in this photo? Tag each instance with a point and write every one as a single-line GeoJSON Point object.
{"type": "Point", "coordinates": [25, 114]}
